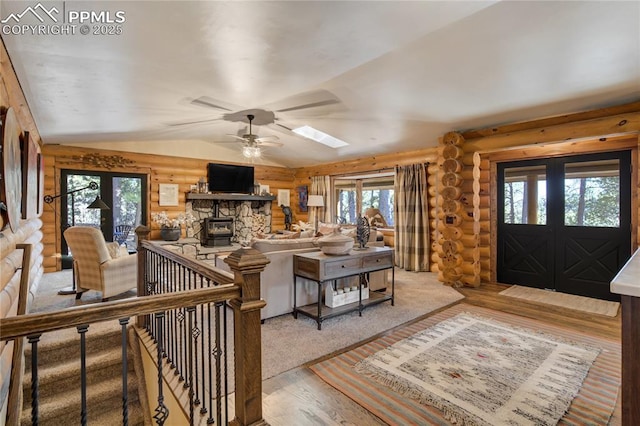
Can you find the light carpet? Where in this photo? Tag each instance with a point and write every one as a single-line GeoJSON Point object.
{"type": "Point", "coordinates": [287, 342]}
{"type": "Point", "coordinates": [397, 399]}
{"type": "Point", "coordinates": [570, 301]}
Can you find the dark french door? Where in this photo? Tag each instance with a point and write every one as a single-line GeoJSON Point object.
{"type": "Point", "coordinates": [123, 193]}
{"type": "Point", "coordinates": [565, 223]}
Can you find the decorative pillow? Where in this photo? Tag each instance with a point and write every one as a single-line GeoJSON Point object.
{"type": "Point", "coordinates": [306, 234]}
{"type": "Point", "coordinates": [302, 226]}
{"type": "Point", "coordinates": [327, 228]}
{"type": "Point", "coordinates": [116, 250]}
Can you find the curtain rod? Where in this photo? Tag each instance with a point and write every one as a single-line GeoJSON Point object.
{"type": "Point", "coordinates": [368, 172]}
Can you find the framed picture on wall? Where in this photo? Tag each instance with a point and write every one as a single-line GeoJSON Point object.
{"type": "Point", "coordinates": [303, 191]}
{"type": "Point", "coordinates": [30, 184]}
{"type": "Point", "coordinates": [168, 194]}
{"type": "Point", "coordinates": [283, 197]}
{"type": "Point", "coordinates": [40, 162]}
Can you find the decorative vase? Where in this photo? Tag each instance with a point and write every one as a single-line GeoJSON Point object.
{"type": "Point", "coordinates": [335, 243]}
{"type": "Point", "coordinates": [363, 231]}
{"type": "Point", "coordinates": [170, 234]}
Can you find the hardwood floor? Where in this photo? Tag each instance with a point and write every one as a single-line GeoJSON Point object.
{"type": "Point", "coordinates": [298, 397]}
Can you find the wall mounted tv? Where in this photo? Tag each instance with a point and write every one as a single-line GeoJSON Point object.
{"type": "Point", "coordinates": [230, 178]}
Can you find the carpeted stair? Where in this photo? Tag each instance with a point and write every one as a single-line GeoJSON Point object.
{"type": "Point", "coordinates": [59, 378]}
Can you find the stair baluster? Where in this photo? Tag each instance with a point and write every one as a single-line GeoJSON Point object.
{"type": "Point", "coordinates": [34, 339]}
{"type": "Point", "coordinates": [125, 373]}
{"type": "Point", "coordinates": [190, 311]}
{"type": "Point", "coordinates": [162, 412]}
{"type": "Point", "coordinates": [82, 330]}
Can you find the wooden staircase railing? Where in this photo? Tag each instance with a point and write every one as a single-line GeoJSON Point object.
{"type": "Point", "coordinates": [242, 295]}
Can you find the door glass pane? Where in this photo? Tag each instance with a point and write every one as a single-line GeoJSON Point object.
{"type": "Point", "coordinates": [77, 212]}
{"type": "Point", "coordinates": [592, 193]}
{"type": "Point", "coordinates": [127, 209]}
{"type": "Point", "coordinates": [525, 195]}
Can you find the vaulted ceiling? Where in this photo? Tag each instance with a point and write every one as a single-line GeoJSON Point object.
{"type": "Point", "coordinates": [384, 76]}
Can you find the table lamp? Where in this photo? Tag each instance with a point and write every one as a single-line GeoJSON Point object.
{"type": "Point", "coordinates": [315, 201]}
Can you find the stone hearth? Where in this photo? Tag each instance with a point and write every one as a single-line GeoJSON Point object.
{"type": "Point", "coordinates": [250, 217]}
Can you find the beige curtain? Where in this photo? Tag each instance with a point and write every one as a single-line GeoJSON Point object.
{"type": "Point", "coordinates": [321, 185]}
{"type": "Point", "coordinates": [411, 209]}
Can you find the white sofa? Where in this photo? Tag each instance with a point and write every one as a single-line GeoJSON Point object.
{"type": "Point", "coordinates": [276, 281]}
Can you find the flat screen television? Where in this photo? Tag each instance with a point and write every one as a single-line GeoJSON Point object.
{"type": "Point", "coordinates": [230, 178]}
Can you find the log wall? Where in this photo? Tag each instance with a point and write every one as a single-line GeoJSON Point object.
{"type": "Point", "coordinates": [29, 230]}
{"type": "Point", "coordinates": [159, 169]}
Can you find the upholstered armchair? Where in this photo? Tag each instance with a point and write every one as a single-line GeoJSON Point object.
{"type": "Point", "coordinates": [99, 265]}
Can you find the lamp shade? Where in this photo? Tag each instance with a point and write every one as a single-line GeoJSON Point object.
{"type": "Point", "coordinates": [98, 204]}
{"type": "Point", "coordinates": [315, 201]}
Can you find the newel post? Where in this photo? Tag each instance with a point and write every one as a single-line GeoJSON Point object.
{"type": "Point", "coordinates": [142, 233]}
{"type": "Point", "coordinates": [246, 265]}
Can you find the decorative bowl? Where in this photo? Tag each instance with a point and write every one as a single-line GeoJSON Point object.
{"type": "Point", "coordinates": [335, 243]}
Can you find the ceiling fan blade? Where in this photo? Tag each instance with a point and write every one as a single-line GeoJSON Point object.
{"type": "Point", "coordinates": [240, 138]}
{"type": "Point", "coordinates": [209, 102]}
{"type": "Point", "coordinates": [184, 123]}
{"type": "Point", "coordinates": [269, 138]}
{"type": "Point", "coordinates": [274, 144]}
{"type": "Point", "coordinates": [311, 105]}
{"type": "Point", "coordinates": [284, 128]}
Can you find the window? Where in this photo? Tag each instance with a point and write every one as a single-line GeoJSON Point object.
{"type": "Point", "coordinates": [525, 195]}
{"type": "Point", "coordinates": [370, 195]}
{"type": "Point", "coordinates": [592, 193]}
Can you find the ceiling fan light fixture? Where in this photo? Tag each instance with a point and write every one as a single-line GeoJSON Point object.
{"type": "Point", "coordinates": [251, 151]}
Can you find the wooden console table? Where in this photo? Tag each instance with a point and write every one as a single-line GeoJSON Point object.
{"type": "Point", "coordinates": [322, 268]}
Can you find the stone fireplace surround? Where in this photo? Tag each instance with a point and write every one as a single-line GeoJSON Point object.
{"type": "Point", "coordinates": [250, 217]}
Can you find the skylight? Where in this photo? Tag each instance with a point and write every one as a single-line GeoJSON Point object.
{"type": "Point", "coordinates": [318, 136]}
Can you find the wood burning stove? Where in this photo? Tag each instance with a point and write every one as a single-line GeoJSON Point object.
{"type": "Point", "coordinates": [216, 231]}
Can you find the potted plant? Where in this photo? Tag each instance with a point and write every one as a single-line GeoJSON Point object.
{"type": "Point", "coordinates": [171, 228]}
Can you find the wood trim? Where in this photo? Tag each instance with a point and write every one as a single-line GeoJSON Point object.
{"type": "Point", "coordinates": [14, 404]}
{"type": "Point", "coordinates": [617, 125]}
{"type": "Point", "coordinates": [493, 222]}
{"type": "Point", "coordinates": [368, 164]}
{"type": "Point", "coordinates": [561, 149]}
{"type": "Point", "coordinates": [552, 121]}
{"type": "Point", "coordinates": [635, 193]}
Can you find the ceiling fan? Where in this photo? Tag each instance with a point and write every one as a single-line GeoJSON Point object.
{"type": "Point", "coordinates": [316, 102]}
{"type": "Point", "coordinates": [252, 144]}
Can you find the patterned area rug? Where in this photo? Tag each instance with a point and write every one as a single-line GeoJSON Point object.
{"type": "Point", "coordinates": [469, 365]}
{"type": "Point", "coordinates": [570, 301]}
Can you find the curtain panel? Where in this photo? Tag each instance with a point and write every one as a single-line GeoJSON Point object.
{"type": "Point", "coordinates": [321, 185]}
{"type": "Point", "coordinates": [411, 217]}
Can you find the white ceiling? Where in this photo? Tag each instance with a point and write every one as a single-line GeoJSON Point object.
{"type": "Point", "coordinates": [404, 72]}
